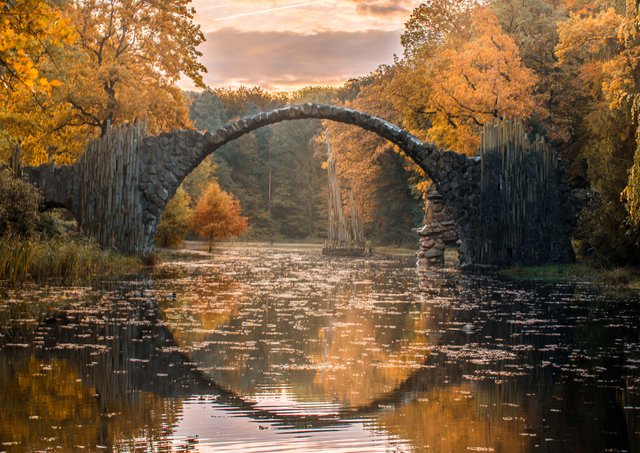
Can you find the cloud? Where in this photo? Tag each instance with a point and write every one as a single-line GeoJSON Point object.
{"type": "Point", "coordinates": [269, 10]}
{"type": "Point", "coordinates": [384, 8]}
{"type": "Point", "coordinates": [288, 60]}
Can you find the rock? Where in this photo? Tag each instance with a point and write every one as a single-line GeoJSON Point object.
{"type": "Point", "coordinates": [434, 253]}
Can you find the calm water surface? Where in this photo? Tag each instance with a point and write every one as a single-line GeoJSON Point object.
{"type": "Point", "coordinates": [281, 349]}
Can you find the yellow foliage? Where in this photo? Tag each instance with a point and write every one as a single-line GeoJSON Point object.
{"type": "Point", "coordinates": [477, 81]}
{"type": "Point", "coordinates": [622, 89]}
{"type": "Point", "coordinates": [72, 69]}
{"type": "Point", "coordinates": [32, 34]}
{"type": "Point", "coordinates": [452, 419]}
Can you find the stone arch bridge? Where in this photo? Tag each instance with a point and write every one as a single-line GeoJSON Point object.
{"type": "Point", "coordinates": [119, 188]}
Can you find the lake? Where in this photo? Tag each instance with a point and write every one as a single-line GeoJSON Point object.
{"type": "Point", "coordinates": [277, 348]}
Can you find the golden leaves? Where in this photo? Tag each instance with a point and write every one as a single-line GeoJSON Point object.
{"type": "Point", "coordinates": [469, 82]}
{"type": "Point", "coordinates": [218, 214]}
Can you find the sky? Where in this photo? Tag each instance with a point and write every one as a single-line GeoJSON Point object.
{"type": "Point", "coordinates": [283, 45]}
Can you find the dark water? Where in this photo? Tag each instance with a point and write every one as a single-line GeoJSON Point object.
{"type": "Point", "coordinates": [280, 349]}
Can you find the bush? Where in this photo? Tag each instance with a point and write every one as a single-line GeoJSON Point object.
{"type": "Point", "coordinates": [604, 234]}
{"type": "Point", "coordinates": [19, 204]}
{"type": "Point", "coordinates": [175, 220]}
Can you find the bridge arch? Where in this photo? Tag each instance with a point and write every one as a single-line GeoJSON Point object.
{"type": "Point", "coordinates": [177, 154]}
{"type": "Point", "coordinates": [121, 185]}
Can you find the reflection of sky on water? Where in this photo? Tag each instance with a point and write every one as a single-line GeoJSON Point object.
{"type": "Point", "coordinates": [219, 428]}
{"type": "Point", "coordinates": [337, 331]}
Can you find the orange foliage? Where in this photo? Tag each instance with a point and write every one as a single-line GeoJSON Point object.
{"type": "Point", "coordinates": [473, 75]}
{"type": "Point", "coordinates": [477, 81]}
{"type": "Point", "coordinates": [622, 88]}
{"type": "Point", "coordinates": [456, 418]}
{"type": "Point", "coordinates": [218, 214]}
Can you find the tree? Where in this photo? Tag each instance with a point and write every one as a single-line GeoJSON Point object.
{"type": "Point", "coordinates": [123, 65]}
{"type": "Point", "coordinates": [622, 88]}
{"type": "Point", "coordinates": [218, 215]}
{"type": "Point", "coordinates": [30, 30]}
{"type": "Point", "coordinates": [381, 180]}
{"type": "Point", "coordinates": [130, 55]}
{"type": "Point", "coordinates": [469, 77]}
{"type": "Point", "coordinates": [197, 181]}
{"type": "Point", "coordinates": [432, 22]}
{"type": "Point", "coordinates": [32, 33]}
{"type": "Point", "coordinates": [602, 138]}
{"type": "Point", "coordinates": [174, 221]}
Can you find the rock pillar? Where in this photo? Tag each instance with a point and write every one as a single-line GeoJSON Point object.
{"type": "Point", "coordinates": [438, 231]}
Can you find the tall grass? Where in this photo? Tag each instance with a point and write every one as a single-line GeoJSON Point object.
{"type": "Point", "coordinates": [60, 260]}
{"type": "Point", "coordinates": [15, 260]}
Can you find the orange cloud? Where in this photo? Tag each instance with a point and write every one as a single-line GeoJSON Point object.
{"type": "Point", "coordinates": [288, 60]}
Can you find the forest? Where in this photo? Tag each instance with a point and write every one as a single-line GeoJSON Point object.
{"type": "Point", "coordinates": [568, 68]}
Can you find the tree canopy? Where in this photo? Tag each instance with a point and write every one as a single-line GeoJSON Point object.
{"type": "Point", "coordinates": [74, 67]}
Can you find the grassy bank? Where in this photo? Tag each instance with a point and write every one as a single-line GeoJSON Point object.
{"type": "Point", "coordinates": [59, 260]}
{"type": "Point", "coordinates": [617, 276]}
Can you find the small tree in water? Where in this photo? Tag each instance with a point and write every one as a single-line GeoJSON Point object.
{"type": "Point", "coordinates": [218, 215]}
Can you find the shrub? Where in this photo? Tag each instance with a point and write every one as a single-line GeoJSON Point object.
{"type": "Point", "coordinates": [19, 204]}
{"type": "Point", "coordinates": [175, 220]}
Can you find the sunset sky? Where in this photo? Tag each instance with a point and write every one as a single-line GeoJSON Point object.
{"type": "Point", "coordinates": [286, 44]}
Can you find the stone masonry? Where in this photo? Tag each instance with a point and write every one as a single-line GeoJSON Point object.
{"type": "Point", "coordinates": [118, 190]}
{"type": "Point", "coordinates": [439, 230]}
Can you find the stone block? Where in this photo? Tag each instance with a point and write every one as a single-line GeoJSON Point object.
{"type": "Point", "coordinates": [434, 253]}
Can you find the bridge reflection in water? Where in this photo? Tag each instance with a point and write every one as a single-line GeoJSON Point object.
{"type": "Point", "coordinates": [302, 352]}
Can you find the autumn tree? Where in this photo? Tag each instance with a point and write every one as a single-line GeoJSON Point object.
{"type": "Point", "coordinates": [599, 137]}
{"type": "Point", "coordinates": [218, 215]}
{"type": "Point", "coordinates": [103, 61]}
{"type": "Point", "coordinates": [32, 33]}
{"type": "Point", "coordinates": [432, 22]}
{"type": "Point", "coordinates": [381, 179]}
{"type": "Point", "coordinates": [174, 221]}
{"type": "Point", "coordinates": [129, 56]}
{"type": "Point", "coordinates": [470, 74]}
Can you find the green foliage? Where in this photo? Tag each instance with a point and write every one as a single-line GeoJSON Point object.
{"type": "Point", "coordinates": [282, 158]}
{"type": "Point", "coordinates": [175, 220]}
{"type": "Point", "coordinates": [195, 183]}
{"type": "Point", "coordinates": [19, 203]}
{"type": "Point", "coordinates": [276, 172]}
{"type": "Point", "coordinates": [206, 111]}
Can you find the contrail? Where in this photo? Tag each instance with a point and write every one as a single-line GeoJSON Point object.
{"type": "Point", "coordinates": [263, 11]}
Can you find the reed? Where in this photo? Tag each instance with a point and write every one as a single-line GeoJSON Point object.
{"type": "Point", "coordinates": [60, 260]}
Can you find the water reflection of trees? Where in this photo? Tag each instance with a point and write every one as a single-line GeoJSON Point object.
{"type": "Point", "coordinates": [118, 363]}
{"type": "Point", "coordinates": [78, 378]}
{"type": "Point", "coordinates": [47, 405]}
